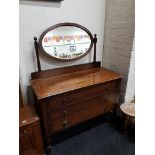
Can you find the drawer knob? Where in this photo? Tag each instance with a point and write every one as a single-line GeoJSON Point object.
{"type": "Point", "coordinates": [65, 113]}
{"type": "Point", "coordinates": [24, 131]}
{"type": "Point", "coordinates": [24, 121]}
{"type": "Point", "coordinates": [65, 125]}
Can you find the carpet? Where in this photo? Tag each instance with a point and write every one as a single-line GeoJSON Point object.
{"type": "Point", "coordinates": [103, 139]}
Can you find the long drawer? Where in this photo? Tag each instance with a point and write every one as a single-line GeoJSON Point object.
{"type": "Point", "coordinates": [68, 111]}
{"type": "Point", "coordinates": [94, 107]}
{"type": "Point", "coordinates": [62, 100]}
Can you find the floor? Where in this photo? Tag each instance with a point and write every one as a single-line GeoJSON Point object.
{"type": "Point", "coordinates": [103, 139]}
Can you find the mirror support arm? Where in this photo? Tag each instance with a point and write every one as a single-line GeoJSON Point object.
{"type": "Point", "coordinates": [95, 41]}
{"type": "Point", "coordinates": [36, 45]}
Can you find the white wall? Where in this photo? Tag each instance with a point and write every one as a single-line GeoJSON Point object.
{"type": "Point", "coordinates": [130, 89]}
{"type": "Point", "coordinates": [35, 17]}
{"type": "Point", "coordinates": [118, 40]}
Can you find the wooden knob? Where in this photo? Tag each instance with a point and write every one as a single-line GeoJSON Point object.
{"type": "Point", "coordinates": [24, 131]}
{"type": "Point", "coordinates": [65, 113]}
{"type": "Point", "coordinates": [65, 125]}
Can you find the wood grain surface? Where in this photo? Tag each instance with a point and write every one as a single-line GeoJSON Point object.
{"type": "Point", "coordinates": [54, 85]}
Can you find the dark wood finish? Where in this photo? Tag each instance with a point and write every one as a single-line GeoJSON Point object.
{"type": "Point", "coordinates": [30, 152]}
{"type": "Point", "coordinates": [68, 96]}
{"type": "Point", "coordinates": [65, 24]}
{"type": "Point", "coordinates": [126, 121]}
{"type": "Point", "coordinates": [54, 85]}
{"type": "Point", "coordinates": [29, 132]}
{"type": "Point", "coordinates": [64, 70]}
{"type": "Point", "coordinates": [21, 101]}
{"type": "Point", "coordinates": [95, 41]}
{"type": "Point", "coordinates": [36, 45]}
{"type": "Point", "coordinates": [76, 109]}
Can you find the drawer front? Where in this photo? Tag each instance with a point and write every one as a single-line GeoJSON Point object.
{"type": "Point", "coordinates": [26, 139]}
{"type": "Point", "coordinates": [96, 107]}
{"type": "Point", "coordinates": [30, 138]}
{"type": "Point", "coordinates": [80, 95]}
{"type": "Point", "coordinates": [69, 109]}
{"type": "Point", "coordinates": [74, 108]}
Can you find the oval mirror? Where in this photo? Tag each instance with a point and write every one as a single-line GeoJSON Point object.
{"type": "Point", "coordinates": [66, 41]}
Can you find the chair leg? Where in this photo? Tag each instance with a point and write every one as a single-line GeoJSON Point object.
{"type": "Point", "coordinates": [125, 123]}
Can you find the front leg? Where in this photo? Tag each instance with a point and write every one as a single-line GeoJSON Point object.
{"type": "Point", "coordinates": [49, 147]}
{"type": "Point", "coordinates": [125, 123]}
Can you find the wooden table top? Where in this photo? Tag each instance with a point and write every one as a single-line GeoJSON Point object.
{"type": "Point", "coordinates": [54, 85]}
{"type": "Point", "coordinates": [27, 115]}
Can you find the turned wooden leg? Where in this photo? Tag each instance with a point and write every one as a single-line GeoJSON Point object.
{"type": "Point", "coordinates": [125, 123]}
{"type": "Point", "coordinates": [49, 147]}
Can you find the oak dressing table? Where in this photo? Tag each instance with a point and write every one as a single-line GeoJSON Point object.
{"type": "Point", "coordinates": [71, 95]}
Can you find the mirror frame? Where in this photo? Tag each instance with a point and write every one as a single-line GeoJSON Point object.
{"type": "Point", "coordinates": [65, 24]}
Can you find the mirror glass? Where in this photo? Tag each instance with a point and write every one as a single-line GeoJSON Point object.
{"type": "Point", "coordinates": [66, 42]}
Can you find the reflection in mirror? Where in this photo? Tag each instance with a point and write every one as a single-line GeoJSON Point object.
{"type": "Point", "coordinates": [66, 42]}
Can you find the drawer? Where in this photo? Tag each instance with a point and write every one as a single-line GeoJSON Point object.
{"type": "Point", "coordinates": [30, 138]}
{"type": "Point", "coordinates": [74, 108]}
{"type": "Point", "coordinates": [66, 99]}
{"type": "Point", "coordinates": [26, 138]}
{"type": "Point", "coordinates": [76, 116]}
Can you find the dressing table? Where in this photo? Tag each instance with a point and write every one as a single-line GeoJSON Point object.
{"type": "Point", "coordinates": [68, 96]}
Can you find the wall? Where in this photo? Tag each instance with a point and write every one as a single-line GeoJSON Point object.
{"type": "Point", "coordinates": [35, 17]}
{"type": "Point", "coordinates": [119, 35]}
{"type": "Point", "coordinates": [130, 89]}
